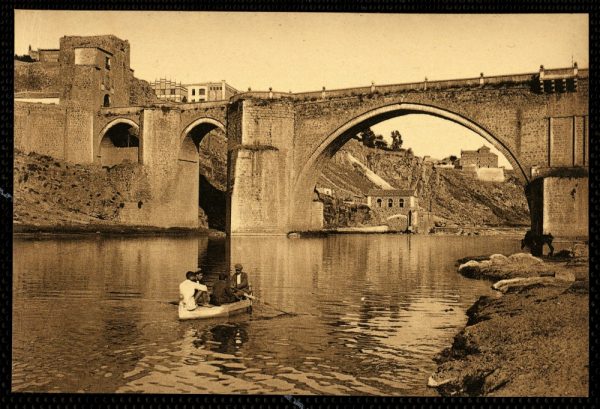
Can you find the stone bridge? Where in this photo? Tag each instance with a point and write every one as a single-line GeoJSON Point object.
{"type": "Point", "coordinates": [280, 142]}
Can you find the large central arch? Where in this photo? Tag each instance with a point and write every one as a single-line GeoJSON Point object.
{"type": "Point", "coordinates": [307, 177]}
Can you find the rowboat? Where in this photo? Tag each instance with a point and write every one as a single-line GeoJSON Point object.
{"type": "Point", "coordinates": [214, 311]}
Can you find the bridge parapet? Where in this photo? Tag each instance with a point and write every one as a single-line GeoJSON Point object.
{"type": "Point", "coordinates": [516, 80]}
{"type": "Point", "coordinates": [120, 110]}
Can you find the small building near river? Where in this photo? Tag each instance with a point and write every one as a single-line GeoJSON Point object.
{"type": "Point", "coordinates": [396, 208]}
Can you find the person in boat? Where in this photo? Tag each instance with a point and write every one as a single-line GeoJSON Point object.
{"type": "Point", "coordinates": [239, 282]}
{"type": "Point", "coordinates": [191, 292]}
{"type": "Point", "coordinates": [222, 292]}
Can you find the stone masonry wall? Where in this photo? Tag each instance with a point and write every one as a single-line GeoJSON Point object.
{"type": "Point", "coordinates": [40, 128]}
{"type": "Point", "coordinates": [566, 206]}
{"type": "Point", "coordinates": [57, 131]}
{"type": "Point", "coordinates": [261, 154]}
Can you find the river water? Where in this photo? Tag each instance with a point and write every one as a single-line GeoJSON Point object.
{"type": "Point", "coordinates": [370, 312]}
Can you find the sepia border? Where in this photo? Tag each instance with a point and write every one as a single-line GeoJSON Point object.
{"type": "Point", "coordinates": [8, 399]}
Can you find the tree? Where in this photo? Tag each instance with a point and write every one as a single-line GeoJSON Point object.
{"type": "Point", "coordinates": [368, 137]}
{"type": "Point", "coordinates": [380, 143]}
{"type": "Point", "coordinates": [396, 140]}
{"type": "Point", "coordinates": [453, 158]}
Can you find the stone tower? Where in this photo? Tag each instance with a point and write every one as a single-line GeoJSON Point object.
{"type": "Point", "coordinates": [95, 71]}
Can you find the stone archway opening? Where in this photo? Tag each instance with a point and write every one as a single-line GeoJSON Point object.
{"type": "Point", "coordinates": [119, 143]}
{"type": "Point", "coordinates": [203, 157]}
{"type": "Point", "coordinates": [311, 176]}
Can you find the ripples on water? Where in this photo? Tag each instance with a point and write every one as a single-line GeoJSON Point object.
{"type": "Point", "coordinates": [93, 314]}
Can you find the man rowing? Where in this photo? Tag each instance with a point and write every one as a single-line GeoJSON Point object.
{"type": "Point", "coordinates": [191, 292]}
{"type": "Point", "coordinates": [239, 282]}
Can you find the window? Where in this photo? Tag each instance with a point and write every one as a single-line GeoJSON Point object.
{"type": "Point", "coordinates": [401, 203]}
{"type": "Point", "coordinates": [107, 63]}
{"type": "Point", "coordinates": [193, 91]}
{"type": "Point", "coordinates": [202, 91]}
{"type": "Point", "coordinates": [173, 91]}
{"type": "Point", "coordinates": [378, 202]}
{"type": "Point", "coordinates": [390, 202]}
{"type": "Point", "coordinates": [106, 101]}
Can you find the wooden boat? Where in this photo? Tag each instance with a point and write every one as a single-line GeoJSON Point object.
{"type": "Point", "coordinates": [214, 311]}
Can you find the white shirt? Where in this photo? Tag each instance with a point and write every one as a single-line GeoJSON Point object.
{"type": "Point", "coordinates": [187, 289]}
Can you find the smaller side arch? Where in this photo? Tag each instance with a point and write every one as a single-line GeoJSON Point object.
{"type": "Point", "coordinates": [107, 128]}
{"type": "Point", "coordinates": [193, 134]}
{"type": "Point", "coordinates": [200, 121]}
{"type": "Point", "coordinates": [115, 122]}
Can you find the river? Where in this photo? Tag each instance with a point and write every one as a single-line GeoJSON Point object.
{"type": "Point", "coordinates": [92, 314]}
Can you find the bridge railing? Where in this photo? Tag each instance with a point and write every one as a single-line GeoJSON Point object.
{"type": "Point", "coordinates": [124, 110]}
{"type": "Point", "coordinates": [480, 81]}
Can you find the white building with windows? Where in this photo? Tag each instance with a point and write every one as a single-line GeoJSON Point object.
{"type": "Point", "coordinates": [396, 208]}
{"type": "Point", "coordinates": [209, 91]}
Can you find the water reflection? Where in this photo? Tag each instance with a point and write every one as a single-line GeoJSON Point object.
{"type": "Point", "coordinates": [371, 311]}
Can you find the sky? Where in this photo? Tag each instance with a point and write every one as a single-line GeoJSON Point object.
{"type": "Point", "coordinates": [306, 51]}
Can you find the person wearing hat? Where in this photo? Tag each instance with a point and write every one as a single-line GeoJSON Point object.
{"type": "Point", "coordinates": [221, 291]}
{"type": "Point", "coordinates": [239, 282]}
{"type": "Point", "coordinates": [191, 292]}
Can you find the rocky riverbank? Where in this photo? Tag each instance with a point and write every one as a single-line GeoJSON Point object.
{"type": "Point", "coordinates": [532, 339]}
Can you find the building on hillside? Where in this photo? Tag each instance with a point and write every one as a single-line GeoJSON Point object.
{"type": "Point", "coordinates": [396, 208]}
{"type": "Point", "coordinates": [170, 90]}
{"type": "Point", "coordinates": [324, 191]}
{"type": "Point", "coordinates": [481, 158]}
{"type": "Point", "coordinates": [44, 54]}
{"type": "Point", "coordinates": [209, 91]}
{"type": "Point", "coordinates": [483, 163]}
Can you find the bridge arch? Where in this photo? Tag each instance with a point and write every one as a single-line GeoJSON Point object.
{"type": "Point", "coordinates": [119, 142]}
{"type": "Point", "coordinates": [205, 195]}
{"type": "Point", "coordinates": [192, 135]}
{"type": "Point", "coordinates": [307, 177]}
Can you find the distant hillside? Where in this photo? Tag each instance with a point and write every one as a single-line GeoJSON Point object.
{"type": "Point", "coordinates": [454, 196]}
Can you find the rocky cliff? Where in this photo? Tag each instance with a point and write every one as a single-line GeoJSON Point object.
{"type": "Point", "coordinates": [453, 196]}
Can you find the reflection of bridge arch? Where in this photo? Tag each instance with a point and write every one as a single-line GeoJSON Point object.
{"type": "Point", "coordinates": [111, 149]}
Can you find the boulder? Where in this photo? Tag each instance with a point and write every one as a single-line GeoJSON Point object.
{"type": "Point", "coordinates": [498, 259]}
{"type": "Point", "coordinates": [564, 276]}
{"type": "Point", "coordinates": [470, 269]}
{"type": "Point", "coordinates": [513, 283]}
{"type": "Point", "coordinates": [580, 250]}
{"type": "Point", "coordinates": [524, 258]}
{"type": "Point", "coordinates": [432, 383]}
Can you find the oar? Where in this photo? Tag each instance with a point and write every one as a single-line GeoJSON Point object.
{"type": "Point", "coordinates": [270, 305]}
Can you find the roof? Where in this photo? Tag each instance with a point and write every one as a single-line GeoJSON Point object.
{"type": "Point", "coordinates": [392, 192]}
{"type": "Point", "coordinates": [482, 149]}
